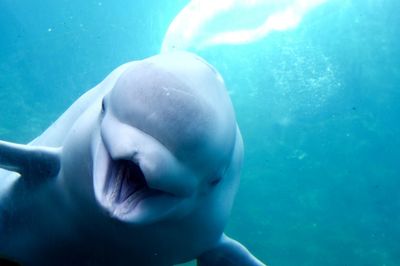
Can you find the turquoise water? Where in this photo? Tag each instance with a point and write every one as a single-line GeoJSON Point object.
{"type": "Point", "coordinates": [318, 107]}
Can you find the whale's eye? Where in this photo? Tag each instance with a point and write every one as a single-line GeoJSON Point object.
{"type": "Point", "coordinates": [103, 107]}
{"type": "Point", "coordinates": [215, 181]}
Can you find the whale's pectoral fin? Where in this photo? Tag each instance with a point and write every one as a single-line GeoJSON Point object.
{"type": "Point", "coordinates": [228, 252]}
{"type": "Point", "coordinates": [35, 163]}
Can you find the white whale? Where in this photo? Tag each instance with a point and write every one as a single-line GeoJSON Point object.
{"type": "Point", "coordinates": [140, 170]}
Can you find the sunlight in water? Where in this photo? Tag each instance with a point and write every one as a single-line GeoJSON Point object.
{"type": "Point", "coordinates": [204, 23]}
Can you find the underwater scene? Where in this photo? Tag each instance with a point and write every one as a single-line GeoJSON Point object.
{"type": "Point", "coordinates": [315, 86]}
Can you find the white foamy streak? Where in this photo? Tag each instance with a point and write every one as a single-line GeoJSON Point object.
{"type": "Point", "coordinates": [186, 30]}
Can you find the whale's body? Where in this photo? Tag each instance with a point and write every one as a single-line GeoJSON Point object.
{"type": "Point", "coordinates": [140, 170]}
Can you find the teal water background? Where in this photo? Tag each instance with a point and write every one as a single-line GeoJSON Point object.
{"type": "Point", "coordinates": [318, 107]}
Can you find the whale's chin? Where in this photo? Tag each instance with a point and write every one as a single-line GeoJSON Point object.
{"type": "Point", "coordinates": [122, 190]}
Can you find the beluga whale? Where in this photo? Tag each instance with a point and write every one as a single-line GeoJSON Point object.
{"type": "Point", "coordinates": [140, 170]}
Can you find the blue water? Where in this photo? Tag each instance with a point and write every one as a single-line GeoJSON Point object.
{"type": "Point", "coordinates": [318, 108]}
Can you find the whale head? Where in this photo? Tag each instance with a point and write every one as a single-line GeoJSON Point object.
{"type": "Point", "coordinates": [168, 141]}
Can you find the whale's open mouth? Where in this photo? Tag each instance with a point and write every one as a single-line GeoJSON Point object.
{"type": "Point", "coordinates": [121, 188]}
{"type": "Point", "coordinates": [126, 185]}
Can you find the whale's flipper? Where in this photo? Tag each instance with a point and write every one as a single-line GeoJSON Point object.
{"type": "Point", "coordinates": [228, 252]}
{"type": "Point", "coordinates": [34, 163]}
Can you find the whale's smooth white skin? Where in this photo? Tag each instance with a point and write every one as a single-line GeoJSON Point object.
{"type": "Point", "coordinates": [141, 170]}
